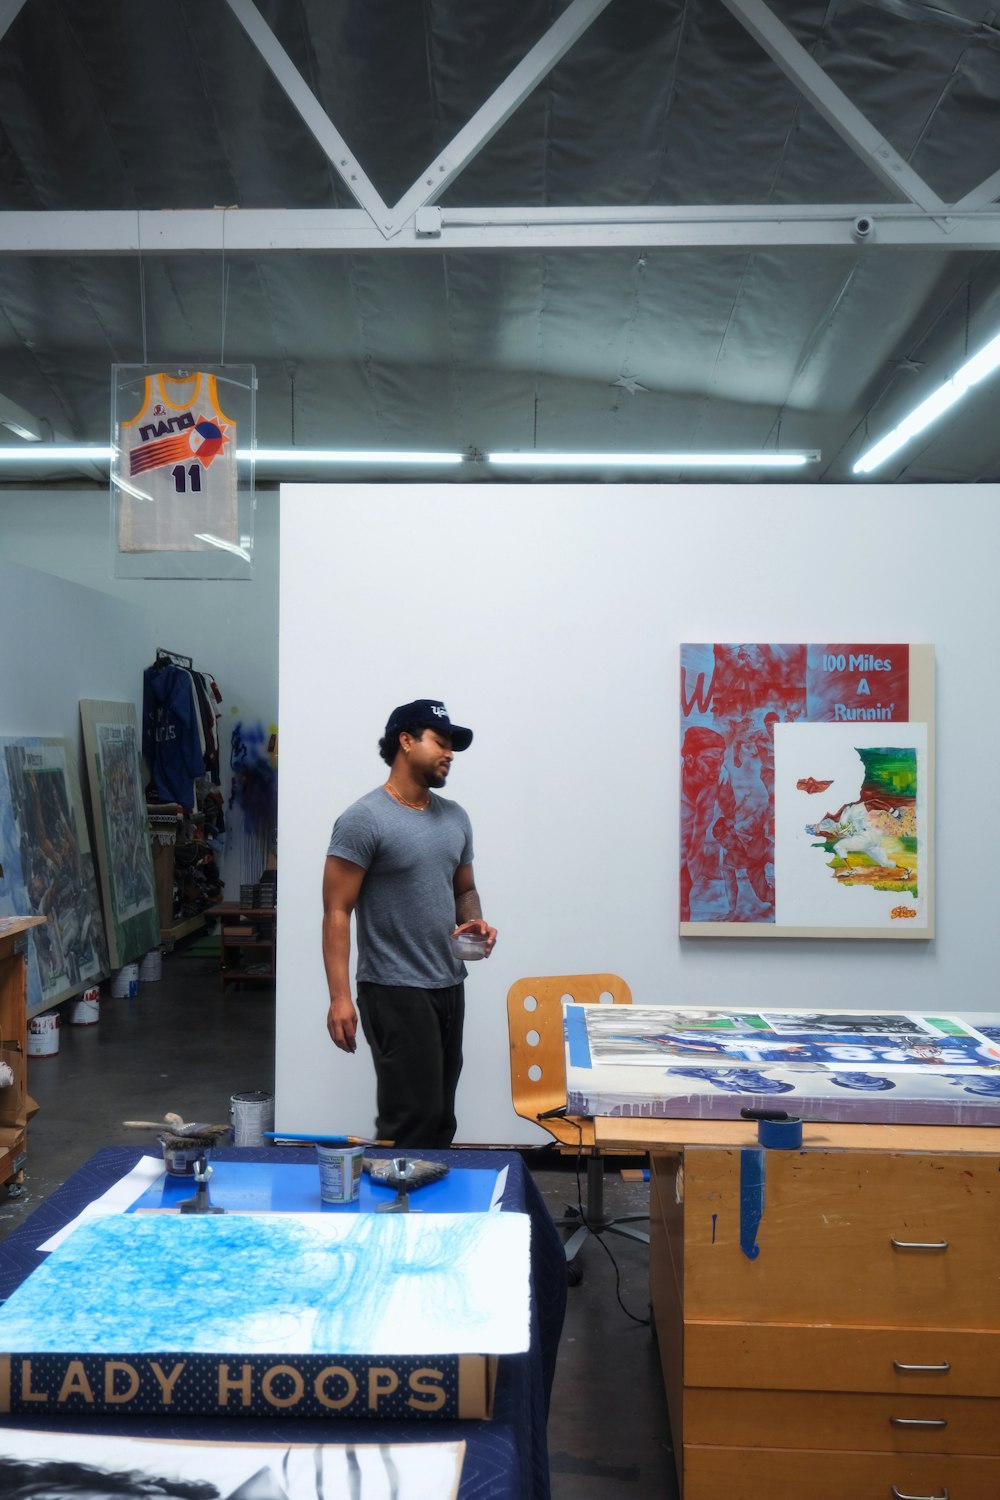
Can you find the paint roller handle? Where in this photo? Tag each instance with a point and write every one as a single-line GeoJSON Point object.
{"type": "Point", "coordinates": [766, 1114]}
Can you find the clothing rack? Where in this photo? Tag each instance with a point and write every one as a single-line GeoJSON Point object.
{"type": "Point", "coordinates": [174, 657]}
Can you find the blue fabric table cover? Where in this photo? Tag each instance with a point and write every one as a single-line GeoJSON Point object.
{"type": "Point", "coordinates": [505, 1459]}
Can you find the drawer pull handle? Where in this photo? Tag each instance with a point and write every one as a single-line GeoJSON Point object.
{"type": "Point", "coordinates": [901, 1495]}
{"type": "Point", "coordinates": [917, 1422]}
{"type": "Point", "coordinates": [919, 1244]}
{"type": "Point", "coordinates": [941, 1369]}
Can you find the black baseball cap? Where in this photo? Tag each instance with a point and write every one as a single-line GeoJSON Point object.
{"type": "Point", "coordinates": [432, 713]}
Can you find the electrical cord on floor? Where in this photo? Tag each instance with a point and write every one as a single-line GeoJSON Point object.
{"type": "Point", "coordinates": [595, 1234]}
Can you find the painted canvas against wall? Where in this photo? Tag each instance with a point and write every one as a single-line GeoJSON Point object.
{"type": "Point", "coordinates": [121, 829]}
{"type": "Point", "coordinates": [49, 869]}
{"type": "Point", "coordinates": [806, 790]}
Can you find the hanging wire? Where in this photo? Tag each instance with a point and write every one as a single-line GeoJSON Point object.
{"type": "Point", "coordinates": [142, 284]}
{"type": "Point", "coordinates": [225, 290]}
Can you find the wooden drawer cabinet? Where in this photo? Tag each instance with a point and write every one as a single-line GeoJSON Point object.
{"type": "Point", "coordinates": [781, 1474]}
{"type": "Point", "coordinates": [846, 1307]}
{"type": "Point", "coordinates": [831, 1238]}
{"type": "Point", "coordinates": [811, 1419]}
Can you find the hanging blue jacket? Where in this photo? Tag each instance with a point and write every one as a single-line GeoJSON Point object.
{"type": "Point", "coordinates": [171, 742]}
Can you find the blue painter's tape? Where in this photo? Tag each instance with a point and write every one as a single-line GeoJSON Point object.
{"type": "Point", "coordinates": [780, 1135]}
{"type": "Point", "coordinates": [752, 1170]}
{"type": "Point", "coordinates": [577, 1040]}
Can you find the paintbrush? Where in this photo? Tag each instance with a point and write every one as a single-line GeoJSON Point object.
{"type": "Point", "coordinates": [169, 1119]}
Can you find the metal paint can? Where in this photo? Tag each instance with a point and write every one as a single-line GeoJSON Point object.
{"type": "Point", "coordinates": [86, 1009]}
{"type": "Point", "coordinates": [43, 1034]}
{"type": "Point", "coordinates": [151, 966]}
{"type": "Point", "coordinates": [339, 1173]}
{"type": "Point", "coordinates": [251, 1113]}
{"type": "Point", "coordinates": [125, 982]}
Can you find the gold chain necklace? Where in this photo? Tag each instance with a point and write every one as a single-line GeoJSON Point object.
{"type": "Point", "coordinates": [416, 806]}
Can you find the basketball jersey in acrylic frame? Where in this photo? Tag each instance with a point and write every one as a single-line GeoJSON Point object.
{"type": "Point", "coordinates": [182, 445]}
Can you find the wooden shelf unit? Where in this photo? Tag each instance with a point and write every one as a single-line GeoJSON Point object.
{"type": "Point", "coordinates": [14, 1034]}
{"type": "Point", "coordinates": [247, 942]}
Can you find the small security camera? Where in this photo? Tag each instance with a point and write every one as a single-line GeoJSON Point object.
{"type": "Point", "coordinates": [863, 228]}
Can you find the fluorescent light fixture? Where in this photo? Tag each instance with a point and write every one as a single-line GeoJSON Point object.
{"type": "Point", "coordinates": [345, 456]}
{"type": "Point", "coordinates": [54, 453]}
{"type": "Point", "coordinates": [96, 453]}
{"type": "Point", "coordinates": [975, 369]}
{"type": "Point", "coordinates": [768, 460]}
{"type": "Point", "coordinates": [46, 453]}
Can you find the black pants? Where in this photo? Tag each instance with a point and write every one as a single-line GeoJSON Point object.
{"type": "Point", "coordinates": [415, 1038]}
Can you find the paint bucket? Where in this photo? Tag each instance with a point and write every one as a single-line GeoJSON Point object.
{"type": "Point", "coordinates": [151, 967]}
{"type": "Point", "coordinates": [43, 1034]}
{"type": "Point", "coordinates": [339, 1173]}
{"type": "Point", "coordinates": [179, 1159]}
{"type": "Point", "coordinates": [125, 982]}
{"type": "Point", "coordinates": [85, 1010]}
{"type": "Point", "coordinates": [251, 1113]}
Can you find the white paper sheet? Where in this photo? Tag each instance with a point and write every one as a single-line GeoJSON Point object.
{"type": "Point", "coordinates": [119, 1196]}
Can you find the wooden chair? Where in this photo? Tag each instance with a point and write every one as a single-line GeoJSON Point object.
{"type": "Point", "coordinates": [538, 1086]}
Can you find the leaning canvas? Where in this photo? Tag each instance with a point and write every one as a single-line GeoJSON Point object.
{"type": "Point", "coordinates": [806, 798]}
{"type": "Point", "coordinates": [121, 829]}
{"type": "Point", "coordinates": [48, 869]}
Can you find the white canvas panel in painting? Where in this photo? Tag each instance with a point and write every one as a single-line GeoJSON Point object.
{"type": "Point", "coordinates": [852, 837]}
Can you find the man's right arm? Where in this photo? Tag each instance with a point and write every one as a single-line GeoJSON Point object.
{"type": "Point", "coordinates": [341, 886]}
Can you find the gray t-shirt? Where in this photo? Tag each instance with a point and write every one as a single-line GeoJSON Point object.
{"type": "Point", "coordinates": [406, 908]}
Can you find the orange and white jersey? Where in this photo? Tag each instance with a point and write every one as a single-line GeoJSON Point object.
{"type": "Point", "coordinates": [176, 470]}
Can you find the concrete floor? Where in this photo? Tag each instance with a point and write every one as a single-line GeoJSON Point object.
{"type": "Point", "coordinates": [181, 1045]}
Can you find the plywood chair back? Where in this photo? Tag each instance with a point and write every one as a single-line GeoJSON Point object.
{"type": "Point", "coordinates": [537, 1056]}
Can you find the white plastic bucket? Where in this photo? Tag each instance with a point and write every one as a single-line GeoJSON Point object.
{"type": "Point", "coordinates": [125, 982]}
{"type": "Point", "coordinates": [251, 1113]}
{"type": "Point", "coordinates": [43, 1035]}
{"type": "Point", "coordinates": [339, 1173]}
{"type": "Point", "coordinates": [151, 967]}
{"type": "Point", "coordinates": [86, 1009]}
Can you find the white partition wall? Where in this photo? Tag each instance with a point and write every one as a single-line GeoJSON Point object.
{"type": "Point", "coordinates": [549, 619]}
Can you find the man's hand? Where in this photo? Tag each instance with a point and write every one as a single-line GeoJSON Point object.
{"type": "Point", "coordinates": [481, 929]}
{"type": "Point", "coordinates": [342, 1024]}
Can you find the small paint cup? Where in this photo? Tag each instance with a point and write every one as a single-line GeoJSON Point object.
{"type": "Point", "coordinates": [468, 946]}
{"type": "Point", "coordinates": [339, 1173]}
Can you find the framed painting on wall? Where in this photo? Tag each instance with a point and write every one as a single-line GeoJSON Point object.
{"type": "Point", "coordinates": [48, 869]}
{"type": "Point", "coordinates": [806, 790]}
{"type": "Point", "coordinates": [121, 829]}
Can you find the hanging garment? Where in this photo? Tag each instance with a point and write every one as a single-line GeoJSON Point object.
{"type": "Point", "coordinates": [176, 469]}
{"type": "Point", "coordinates": [171, 734]}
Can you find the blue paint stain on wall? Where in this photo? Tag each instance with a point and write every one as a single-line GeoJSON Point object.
{"type": "Point", "coordinates": [253, 790]}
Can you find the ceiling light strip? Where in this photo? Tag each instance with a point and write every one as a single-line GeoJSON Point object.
{"type": "Point", "coordinates": [54, 453]}
{"type": "Point", "coordinates": [971, 373]}
{"type": "Point", "coordinates": [762, 460]}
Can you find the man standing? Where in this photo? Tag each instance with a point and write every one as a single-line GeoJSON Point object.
{"type": "Point", "coordinates": [401, 858]}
